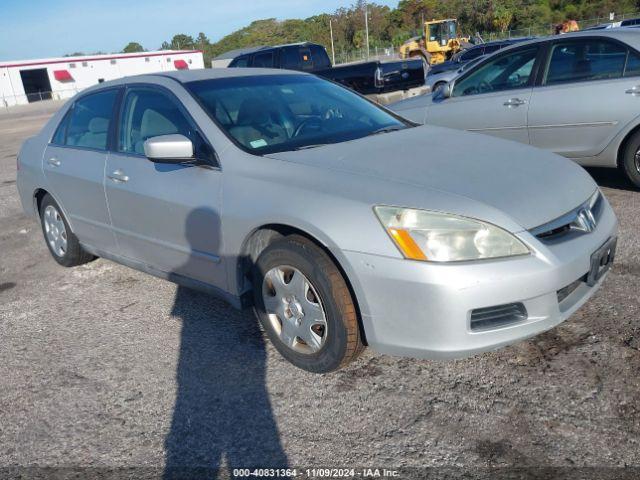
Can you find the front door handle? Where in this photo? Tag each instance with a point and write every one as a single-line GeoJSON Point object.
{"type": "Point", "coordinates": [54, 162]}
{"type": "Point", "coordinates": [635, 91]}
{"type": "Point", "coordinates": [118, 176]}
{"type": "Point", "coordinates": [514, 102]}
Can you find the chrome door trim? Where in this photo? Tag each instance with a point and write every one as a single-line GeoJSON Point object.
{"type": "Point", "coordinates": [573, 125]}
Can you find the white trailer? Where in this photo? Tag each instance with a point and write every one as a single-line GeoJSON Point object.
{"type": "Point", "coordinates": [30, 81]}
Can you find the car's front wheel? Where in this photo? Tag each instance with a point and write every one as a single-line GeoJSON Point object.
{"type": "Point", "coordinates": [630, 163]}
{"type": "Point", "coordinates": [305, 306]}
{"type": "Point", "coordinates": [63, 244]}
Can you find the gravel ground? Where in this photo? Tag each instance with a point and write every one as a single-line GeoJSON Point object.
{"type": "Point", "coordinates": [104, 367]}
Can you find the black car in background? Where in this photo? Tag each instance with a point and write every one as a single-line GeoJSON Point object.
{"type": "Point", "coordinates": [371, 77]}
{"type": "Point", "coordinates": [477, 51]}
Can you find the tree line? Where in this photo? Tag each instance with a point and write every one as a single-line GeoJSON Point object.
{"type": "Point", "coordinates": [392, 26]}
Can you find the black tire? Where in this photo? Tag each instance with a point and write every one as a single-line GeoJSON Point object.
{"type": "Point", "coordinates": [73, 255]}
{"type": "Point", "coordinates": [629, 165]}
{"type": "Point", "coordinates": [343, 341]}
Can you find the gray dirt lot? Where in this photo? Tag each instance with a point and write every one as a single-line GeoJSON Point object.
{"type": "Point", "coordinates": [103, 366]}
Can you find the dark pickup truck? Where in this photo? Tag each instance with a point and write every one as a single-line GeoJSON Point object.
{"type": "Point", "coordinates": [367, 78]}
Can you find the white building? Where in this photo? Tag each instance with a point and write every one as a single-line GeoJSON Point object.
{"type": "Point", "coordinates": [28, 81]}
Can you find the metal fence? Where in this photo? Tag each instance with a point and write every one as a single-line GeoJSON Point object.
{"type": "Point", "coordinates": [375, 53]}
{"type": "Point", "coordinates": [549, 29]}
{"type": "Point", "coordinates": [8, 101]}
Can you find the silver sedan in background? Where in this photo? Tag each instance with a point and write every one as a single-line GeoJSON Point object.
{"type": "Point", "coordinates": [577, 95]}
{"type": "Point", "coordinates": [438, 80]}
{"type": "Point", "coordinates": [342, 224]}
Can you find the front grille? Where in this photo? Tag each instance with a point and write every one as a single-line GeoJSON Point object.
{"type": "Point", "coordinates": [489, 318]}
{"type": "Point", "coordinates": [564, 292]}
{"type": "Point", "coordinates": [567, 225]}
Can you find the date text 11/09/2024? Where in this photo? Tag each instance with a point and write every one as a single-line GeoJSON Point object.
{"type": "Point", "coordinates": [315, 472]}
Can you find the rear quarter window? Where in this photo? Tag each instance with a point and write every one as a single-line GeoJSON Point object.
{"type": "Point", "coordinates": [320, 57]}
{"type": "Point", "coordinates": [632, 68]}
{"type": "Point", "coordinates": [61, 131]}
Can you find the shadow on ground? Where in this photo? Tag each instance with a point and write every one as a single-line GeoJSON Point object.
{"type": "Point", "coordinates": [611, 178]}
{"type": "Point", "coordinates": [222, 415]}
{"type": "Point", "coordinates": [222, 406]}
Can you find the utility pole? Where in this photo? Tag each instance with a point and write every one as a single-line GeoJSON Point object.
{"type": "Point", "coordinates": [366, 26]}
{"type": "Point", "coordinates": [333, 52]}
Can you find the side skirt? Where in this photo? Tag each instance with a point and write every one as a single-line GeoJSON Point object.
{"type": "Point", "coordinates": [238, 302]}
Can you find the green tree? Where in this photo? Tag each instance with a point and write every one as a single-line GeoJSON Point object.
{"type": "Point", "coordinates": [133, 47]}
{"type": "Point", "coordinates": [182, 42]}
{"type": "Point", "coordinates": [387, 25]}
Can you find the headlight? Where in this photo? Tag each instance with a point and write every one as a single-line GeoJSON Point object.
{"type": "Point", "coordinates": [439, 237]}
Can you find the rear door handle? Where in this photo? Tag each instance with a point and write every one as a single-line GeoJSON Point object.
{"type": "Point", "coordinates": [54, 162]}
{"type": "Point", "coordinates": [514, 102]}
{"type": "Point", "coordinates": [635, 91]}
{"type": "Point", "coordinates": [118, 176]}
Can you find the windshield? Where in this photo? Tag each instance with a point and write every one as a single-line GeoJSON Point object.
{"type": "Point", "coordinates": [277, 113]}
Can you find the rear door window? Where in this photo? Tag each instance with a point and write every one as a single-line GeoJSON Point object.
{"type": "Point", "coordinates": [240, 62]}
{"type": "Point", "coordinates": [263, 60]}
{"type": "Point", "coordinates": [90, 120]}
{"type": "Point", "coordinates": [633, 21]}
{"type": "Point", "coordinates": [585, 60]}
{"type": "Point", "coordinates": [290, 58]}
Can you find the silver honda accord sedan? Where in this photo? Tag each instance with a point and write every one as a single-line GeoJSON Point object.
{"type": "Point", "coordinates": [341, 224]}
{"type": "Point", "coordinates": [577, 95]}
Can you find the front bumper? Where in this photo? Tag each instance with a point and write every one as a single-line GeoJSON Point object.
{"type": "Point", "coordinates": [423, 310]}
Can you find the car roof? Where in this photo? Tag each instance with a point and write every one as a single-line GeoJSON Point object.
{"type": "Point", "coordinates": [186, 76]}
{"type": "Point", "coordinates": [626, 35]}
{"type": "Point", "coordinates": [238, 52]}
{"type": "Point", "coordinates": [504, 41]}
{"type": "Point", "coordinates": [232, 54]}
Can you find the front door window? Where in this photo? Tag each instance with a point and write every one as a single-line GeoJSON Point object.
{"type": "Point", "coordinates": [506, 72]}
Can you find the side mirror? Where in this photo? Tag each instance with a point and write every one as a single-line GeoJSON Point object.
{"type": "Point", "coordinates": [447, 90]}
{"type": "Point", "coordinates": [169, 149]}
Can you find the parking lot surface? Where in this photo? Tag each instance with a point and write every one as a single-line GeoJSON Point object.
{"type": "Point", "coordinates": [103, 366]}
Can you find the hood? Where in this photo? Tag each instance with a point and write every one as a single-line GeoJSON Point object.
{"type": "Point", "coordinates": [530, 186]}
{"type": "Point", "coordinates": [419, 101]}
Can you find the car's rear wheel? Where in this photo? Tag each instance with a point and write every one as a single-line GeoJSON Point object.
{"type": "Point", "coordinates": [630, 164]}
{"type": "Point", "coordinates": [62, 243]}
{"type": "Point", "coordinates": [305, 306]}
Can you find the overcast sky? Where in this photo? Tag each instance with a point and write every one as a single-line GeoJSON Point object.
{"type": "Point", "coordinates": [46, 28]}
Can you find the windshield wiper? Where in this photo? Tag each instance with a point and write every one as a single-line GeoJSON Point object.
{"type": "Point", "coordinates": [392, 128]}
{"type": "Point", "coordinates": [307, 147]}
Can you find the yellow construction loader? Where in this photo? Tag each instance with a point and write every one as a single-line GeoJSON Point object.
{"type": "Point", "coordinates": [438, 43]}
